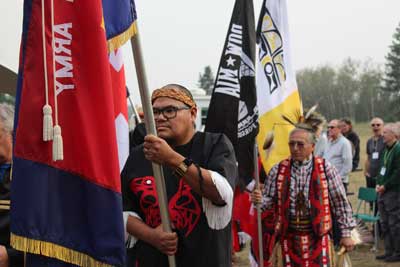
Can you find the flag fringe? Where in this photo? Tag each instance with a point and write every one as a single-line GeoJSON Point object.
{"type": "Point", "coordinates": [54, 251]}
{"type": "Point", "coordinates": [117, 41]}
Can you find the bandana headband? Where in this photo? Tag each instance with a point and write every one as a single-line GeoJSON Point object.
{"type": "Point", "coordinates": [174, 94]}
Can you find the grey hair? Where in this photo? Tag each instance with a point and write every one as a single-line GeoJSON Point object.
{"type": "Point", "coordinates": [394, 128]}
{"type": "Point", "coordinates": [377, 118]}
{"type": "Point", "coordinates": [7, 117]}
{"type": "Point", "coordinates": [311, 136]}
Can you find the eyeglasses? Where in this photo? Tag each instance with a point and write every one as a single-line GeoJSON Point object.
{"type": "Point", "coordinates": [375, 125]}
{"type": "Point", "coordinates": [168, 112]}
{"type": "Point", "coordinates": [300, 145]}
{"type": "Point", "coordinates": [331, 127]}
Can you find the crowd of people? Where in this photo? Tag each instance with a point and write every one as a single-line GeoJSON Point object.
{"type": "Point", "coordinates": [306, 211]}
{"type": "Point", "coordinates": [338, 152]}
{"type": "Point", "coordinates": [318, 170]}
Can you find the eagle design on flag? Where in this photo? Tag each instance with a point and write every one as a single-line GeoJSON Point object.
{"type": "Point", "coordinates": [271, 53]}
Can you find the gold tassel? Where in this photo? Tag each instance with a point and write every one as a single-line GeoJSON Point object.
{"type": "Point", "coordinates": [58, 153]}
{"type": "Point", "coordinates": [54, 251]}
{"type": "Point", "coordinates": [47, 123]}
{"type": "Point", "coordinates": [117, 41]}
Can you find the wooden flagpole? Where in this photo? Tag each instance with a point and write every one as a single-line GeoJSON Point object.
{"type": "Point", "coordinates": [135, 112]}
{"type": "Point", "coordinates": [151, 129]}
{"type": "Point", "coordinates": [258, 206]}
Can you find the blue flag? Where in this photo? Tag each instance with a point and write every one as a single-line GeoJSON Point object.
{"type": "Point", "coordinates": [68, 210]}
{"type": "Point", "coordinates": [120, 21]}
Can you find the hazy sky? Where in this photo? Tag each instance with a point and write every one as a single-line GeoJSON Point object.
{"type": "Point", "coordinates": [181, 37]}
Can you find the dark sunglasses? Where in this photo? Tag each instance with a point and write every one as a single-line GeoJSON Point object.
{"type": "Point", "coordinates": [331, 127]}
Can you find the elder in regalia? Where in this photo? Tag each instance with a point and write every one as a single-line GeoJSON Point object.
{"type": "Point", "coordinates": [301, 196]}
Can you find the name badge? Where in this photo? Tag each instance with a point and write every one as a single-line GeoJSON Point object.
{"type": "Point", "coordinates": [383, 170]}
{"type": "Point", "coordinates": [375, 155]}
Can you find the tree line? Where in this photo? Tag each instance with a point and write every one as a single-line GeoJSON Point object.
{"type": "Point", "coordinates": [359, 90]}
{"type": "Point", "coordinates": [353, 90]}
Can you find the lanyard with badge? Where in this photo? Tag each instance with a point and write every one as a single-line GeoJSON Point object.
{"type": "Point", "coordinates": [386, 156]}
{"type": "Point", "coordinates": [375, 152]}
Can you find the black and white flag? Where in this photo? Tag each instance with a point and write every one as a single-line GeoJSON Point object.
{"type": "Point", "coordinates": [233, 107]}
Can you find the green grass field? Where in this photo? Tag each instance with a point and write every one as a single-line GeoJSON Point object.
{"type": "Point", "coordinates": [361, 256]}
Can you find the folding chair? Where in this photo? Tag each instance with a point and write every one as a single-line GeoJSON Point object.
{"type": "Point", "coordinates": [367, 195]}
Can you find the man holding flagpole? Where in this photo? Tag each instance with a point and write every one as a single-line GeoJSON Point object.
{"type": "Point", "coordinates": [200, 173]}
{"type": "Point", "coordinates": [277, 91]}
{"type": "Point", "coordinates": [301, 196]}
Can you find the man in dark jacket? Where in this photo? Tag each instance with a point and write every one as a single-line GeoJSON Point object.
{"type": "Point", "coordinates": [8, 256]}
{"type": "Point", "coordinates": [388, 188]}
{"type": "Point", "coordinates": [374, 148]}
{"type": "Point", "coordinates": [200, 173]}
{"type": "Point", "coordinates": [346, 128]}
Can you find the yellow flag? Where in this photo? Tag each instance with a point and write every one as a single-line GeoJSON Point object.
{"type": "Point", "coordinates": [277, 91]}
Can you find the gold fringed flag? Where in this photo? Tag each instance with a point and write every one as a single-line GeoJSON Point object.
{"type": "Point", "coordinates": [119, 22]}
{"type": "Point", "coordinates": [68, 210]}
{"type": "Point", "coordinates": [120, 25]}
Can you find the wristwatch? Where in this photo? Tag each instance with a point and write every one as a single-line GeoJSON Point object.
{"type": "Point", "coordinates": [183, 167]}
